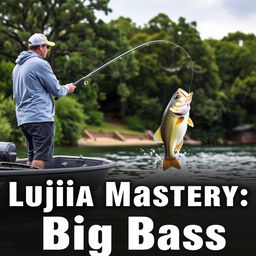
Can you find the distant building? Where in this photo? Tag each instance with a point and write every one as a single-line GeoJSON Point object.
{"type": "Point", "coordinates": [244, 134]}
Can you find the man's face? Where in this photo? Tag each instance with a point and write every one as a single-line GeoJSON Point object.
{"type": "Point", "coordinates": [44, 50]}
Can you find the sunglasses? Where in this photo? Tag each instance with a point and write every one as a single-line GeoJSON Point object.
{"type": "Point", "coordinates": [47, 46]}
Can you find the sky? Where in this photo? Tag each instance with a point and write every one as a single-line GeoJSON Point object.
{"type": "Point", "coordinates": [214, 18]}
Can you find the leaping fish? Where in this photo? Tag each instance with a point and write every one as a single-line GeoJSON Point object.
{"type": "Point", "coordinates": [174, 126]}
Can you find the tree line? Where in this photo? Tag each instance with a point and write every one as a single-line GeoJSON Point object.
{"type": "Point", "coordinates": [136, 88]}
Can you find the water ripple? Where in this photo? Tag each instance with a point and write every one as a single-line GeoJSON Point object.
{"type": "Point", "coordinates": [197, 162]}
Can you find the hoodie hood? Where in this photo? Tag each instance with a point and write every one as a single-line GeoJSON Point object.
{"type": "Point", "coordinates": [24, 56]}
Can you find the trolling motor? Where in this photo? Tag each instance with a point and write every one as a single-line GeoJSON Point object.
{"type": "Point", "coordinates": [8, 158]}
{"type": "Point", "coordinates": [7, 152]}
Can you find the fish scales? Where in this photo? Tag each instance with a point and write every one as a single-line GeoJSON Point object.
{"type": "Point", "coordinates": [174, 126]}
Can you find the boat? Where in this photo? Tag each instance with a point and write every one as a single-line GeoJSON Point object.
{"type": "Point", "coordinates": [82, 170]}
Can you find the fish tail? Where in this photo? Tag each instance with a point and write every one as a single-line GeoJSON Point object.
{"type": "Point", "coordinates": [168, 163]}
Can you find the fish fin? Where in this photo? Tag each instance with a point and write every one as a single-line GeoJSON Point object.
{"type": "Point", "coordinates": [168, 163]}
{"type": "Point", "coordinates": [179, 146]}
{"type": "Point", "coordinates": [158, 136]}
{"type": "Point", "coordinates": [190, 122]}
{"type": "Point", "coordinates": [180, 119]}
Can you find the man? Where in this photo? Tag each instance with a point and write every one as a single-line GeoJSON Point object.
{"type": "Point", "coordinates": [34, 84]}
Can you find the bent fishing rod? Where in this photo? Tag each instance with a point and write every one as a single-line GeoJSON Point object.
{"type": "Point", "coordinates": [130, 51]}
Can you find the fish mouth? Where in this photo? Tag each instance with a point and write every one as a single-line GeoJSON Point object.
{"type": "Point", "coordinates": [182, 102]}
{"type": "Point", "coordinates": [185, 94]}
{"type": "Point", "coordinates": [182, 111]}
{"type": "Point", "coordinates": [178, 114]}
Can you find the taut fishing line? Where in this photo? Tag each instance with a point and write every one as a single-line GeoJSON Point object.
{"type": "Point", "coordinates": [83, 79]}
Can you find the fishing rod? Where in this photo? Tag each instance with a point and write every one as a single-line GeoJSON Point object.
{"type": "Point", "coordinates": [131, 50]}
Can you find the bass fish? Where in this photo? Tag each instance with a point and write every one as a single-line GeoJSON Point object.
{"type": "Point", "coordinates": [174, 126]}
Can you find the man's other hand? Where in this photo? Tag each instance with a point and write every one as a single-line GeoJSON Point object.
{"type": "Point", "coordinates": [71, 87]}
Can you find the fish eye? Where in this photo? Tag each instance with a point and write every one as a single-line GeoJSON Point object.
{"type": "Point", "coordinates": [177, 96]}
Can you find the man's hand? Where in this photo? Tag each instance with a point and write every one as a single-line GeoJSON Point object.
{"type": "Point", "coordinates": [70, 87]}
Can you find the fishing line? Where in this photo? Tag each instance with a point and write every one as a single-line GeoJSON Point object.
{"type": "Point", "coordinates": [119, 57]}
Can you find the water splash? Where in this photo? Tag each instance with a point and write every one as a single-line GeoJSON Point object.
{"type": "Point", "coordinates": [158, 174]}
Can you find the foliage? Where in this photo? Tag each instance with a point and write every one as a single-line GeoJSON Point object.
{"type": "Point", "coordinates": [8, 120]}
{"type": "Point", "coordinates": [72, 121]}
{"type": "Point", "coordinates": [112, 127]}
{"type": "Point", "coordinates": [138, 87]}
{"type": "Point", "coordinates": [96, 118]}
{"type": "Point", "coordinates": [244, 92]}
{"type": "Point", "coordinates": [5, 81]}
{"type": "Point", "coordinates": [58, 137]}
{"type": "Point", "coordinates": [5, 129]}
{"type": "Point", "coordinates": [81, 41]}
{"type": "Point", "coordinates": [62, 21]}
{"type": "Point", "coordinates": [135, 123]}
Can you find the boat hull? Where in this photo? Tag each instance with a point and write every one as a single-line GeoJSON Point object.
{"type": "Point", "coordinates": [82, 170]}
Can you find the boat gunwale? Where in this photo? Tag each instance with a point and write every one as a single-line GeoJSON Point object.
{"type": "Point", "coordinates": [107, 164]}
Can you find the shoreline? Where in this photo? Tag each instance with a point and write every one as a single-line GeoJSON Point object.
{"type": "Point", "coordinates": [103, 141]}
{"type": "Point", "coordinates": [118, 139]}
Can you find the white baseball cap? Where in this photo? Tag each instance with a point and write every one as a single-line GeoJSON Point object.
{"type": "Point", "coordinates": [39, 39]}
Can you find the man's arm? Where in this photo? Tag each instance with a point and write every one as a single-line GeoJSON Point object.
{"type": "Point", "coordinates": [51, 84]}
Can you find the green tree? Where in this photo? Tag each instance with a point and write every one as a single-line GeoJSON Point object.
{"type": "Point", "coordinates": [236, 59]}
{"type": "Point", "coordinates": [5, 79]}
{"type": "Point", "coordinates": [71, 121]}
{"type": "Point", "coordinates": [62, 21]}
{"type": "Point", "coordinates": [79, 36]}
{"type": "Point", "coordinates": [226, 57]}
{"type": "Point", "coordinates": [125, 25]}
{"type": "Point", "coordinates": [5, 129]}
{"type": "Point", "coordinates": [244, 92]}
{"type": "Point", "coordinates": [163, 68]}
{"type": "Point", "coordinates": [114, 81]}
{"type": "Point", "coordinates": [8, 124]}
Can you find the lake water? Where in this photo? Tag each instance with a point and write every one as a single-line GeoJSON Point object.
{"type": "Point", "coordinates": [227, 163]}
